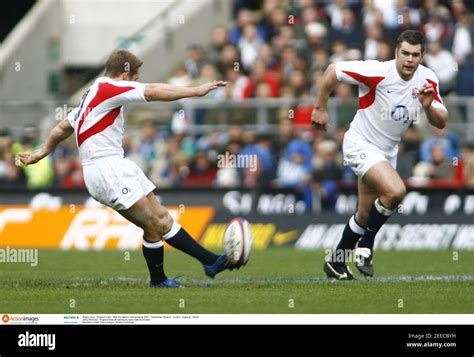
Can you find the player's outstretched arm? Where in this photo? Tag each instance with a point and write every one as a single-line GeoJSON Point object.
{"type": "Point", "coordinates": [59, 133]}
{"type": "Point", "coordinates": [437, 116]}
{"type": "Point", "coordinates": [167, 92]}
{"type": "Point", "coordinates": [319, 117]}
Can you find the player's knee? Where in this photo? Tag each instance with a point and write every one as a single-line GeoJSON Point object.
{"type": "Point", "coordinates": [396, 194]}
{"type": "Point", "coordinates": [161, 223]}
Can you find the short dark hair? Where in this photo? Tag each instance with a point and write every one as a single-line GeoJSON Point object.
{"type": "Point", "coordinates": [122, 61]}
{"type": "Point", "coordinates": [413, 38]}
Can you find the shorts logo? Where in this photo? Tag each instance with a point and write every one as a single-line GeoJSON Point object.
{"type": "Point", "coordinates": [400, 113]}
{"type": "Point", "coordinates": [363, 156]}
{"type": "Point", "coordinates": [125, 190]}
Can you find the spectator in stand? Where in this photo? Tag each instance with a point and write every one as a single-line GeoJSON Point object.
{"type": "Point", "coordinates": [350, 32]}
{"type": "Point", "coordinates": [286, 133]}
{"type": "Point", "coordinates": [260, 149]}
{"type": "Point", "coordinates": [236, 84]}
{"type": "Point", "coordinates": [335, 9]}
{"type": "Point", "coordinates": [8, 171]}
{"type": "Point", "coordinates": [442, 62]}
{"type": "Point", "coordinates": [249, 46]}
{"type": "Point", "coordinates": [430, 7]}
{"type": "Point", "coordinates": [276, 18]}
{"type": "Point", "coordinates": [245, 17]}
{"type": "Point", "coordinates": [346, 106]}
{"type": "Point", "coordinates": [298, 82]}
{"type": "Point", "coordinates": [202, 172]}
{"type": "Point", "coordinates": [442, 167]}
{"type": "Point", "coordinates": [408, 17]}
{"type": "Point", "coordinates": [294, 169]}
{"type": "Point", "coordinates": [385, 52]}
{"type": "Point", "coordinates": [466, 77]}
{"type": "Point", "coordinates": [435, 29]}
{"type": "Point", "coordinates": [194, 61]}
{"type": "Point", "coordinates": [409, 151]}
{"type": "Point", "coordinates": [268, 9]}
{"type": "Point", "coordinates": [316, 34]}
{"type": "Point", "coordinates": [372, 42]}
{"type": "Point", "coordinates": [229, 59]}
{"type": "Point", "coordinates": [177, 165]}
{"type": "Point", "coordinates": [68, 173]}
{"type": "Point", "coordinates": [228, 176]}
{"type": "Point", "coordinates": [327, 163]}
{"type": "Point", "coordinates": [219, 38]}
{"type": "Point", "coordinates": [261, 74]}
{"type": "Point", "coordinates": [371, 15]}
{"type": "Point", "coordinates": [180, 77]}
{"type": "Point", "coordinates": [320, 60]}
{"type": "Point", "coordinates": [339, 52]}
{"type": "Point", "coordinates": [267, 56]}
{"type": "Point", "coordinates": [449, 141]}
{"type": "Point", "coordinates": [463, 37]}
{"type": "Point", "coordinates": [327, 170]}
{"type": "Point", "coordinates": [388, 8]}
{"type": "Point", "coordinates": [467, 160]}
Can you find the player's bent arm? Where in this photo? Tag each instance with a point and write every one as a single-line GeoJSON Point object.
{"type": "Point", "coordinates": [437, 117]}
{"type": "Point", "coordinates": [320, 117]}
{"type": "Point", "coordinates": [328, 83]}
{"type": "Point", "coordinates": [59, 133]}
{"type": "Point", "coordinates": [167, 92]}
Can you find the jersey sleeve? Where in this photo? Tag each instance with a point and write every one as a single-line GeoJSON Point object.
{"type": "Point", "coordinates": [135, 95]}
{"type": "Point", "coordinates": [72, 116]}
{"type": "Point", "coordinates": [355, 72]}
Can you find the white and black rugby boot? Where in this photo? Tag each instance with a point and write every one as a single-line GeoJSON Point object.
{"type": "Point", "coordinates": [338, 271]}
{"type": "Point", "coordinates": [363, 261]}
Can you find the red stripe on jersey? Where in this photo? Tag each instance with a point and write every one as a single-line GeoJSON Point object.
{"type": "Point", "coordinates": [105, 92]}
{"type": "Point", "coordinates": [371, 82]}
{"type": "Point", "coordinates": [435, 87]}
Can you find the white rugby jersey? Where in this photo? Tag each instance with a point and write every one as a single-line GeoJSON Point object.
{"type": "Point", "coordinates": [387, 103]}
{"type": "Point", "coordinates": [98, 121]}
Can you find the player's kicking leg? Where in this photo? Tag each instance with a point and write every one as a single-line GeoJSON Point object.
{"type": "Point", "coordinates": [336, 266]}
{"type": "Point", "coordinates": [391, 190]}
{"type": "Point", "coordinates": [159, 226]}
{"type": "Point", "coordinates": [178, 238]}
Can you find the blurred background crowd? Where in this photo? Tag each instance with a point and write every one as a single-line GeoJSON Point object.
{"type": "Point", "coordinates": [280, 49]}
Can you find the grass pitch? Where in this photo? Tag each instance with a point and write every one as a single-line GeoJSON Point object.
{"type": "Point", "coordinates": [279, 280]}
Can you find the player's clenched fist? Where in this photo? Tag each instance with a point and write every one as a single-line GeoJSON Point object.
{"type": "Point", "coordinates": [320, 119]}
{"type": "Point", "coordinates": [426, 95]}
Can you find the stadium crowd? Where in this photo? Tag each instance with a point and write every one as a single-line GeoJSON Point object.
{"type": "Point", "coordinates": [278, 48]}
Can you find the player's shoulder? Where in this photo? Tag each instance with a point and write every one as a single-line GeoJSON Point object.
{"type": "Point", "coordinates": [368, 67]}
{"type": "Point", "coordinates": [120, 83]}
{"type": "Point", "coordinates": [425, 72]}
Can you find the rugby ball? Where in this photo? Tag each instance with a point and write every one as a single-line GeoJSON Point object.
{"type": "Point", "coordinates": [238, 242]}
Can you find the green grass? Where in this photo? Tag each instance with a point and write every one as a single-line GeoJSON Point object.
{"type": "Point", "coordinates": [105, 282]}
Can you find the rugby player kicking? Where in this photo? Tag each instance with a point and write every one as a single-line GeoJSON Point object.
{"type": "Point", "coordinates": [117, 182]}
{"type": "Point", "coordinates": [391, 96]}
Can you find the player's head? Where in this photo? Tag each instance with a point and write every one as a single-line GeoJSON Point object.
{"type": "Point", "coordinates": [409, 52]}
{"type": "Point", "coordinates": [123, 65]}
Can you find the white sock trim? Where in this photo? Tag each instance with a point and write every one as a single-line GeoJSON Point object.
{"type": "Point", "coordinates": [172, 232]}
{"type": "Point", "coordinates": [153, 245]}
{"type": "Point", "coordinates": [355, 227]}
{"type": "Point", "coordinates": [381, 209]}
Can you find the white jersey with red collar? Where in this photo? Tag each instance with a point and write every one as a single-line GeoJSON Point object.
{"type": "Point", "coordinates": [98, 121]}
{"type": "Point", "coordinates": [387, 103]}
